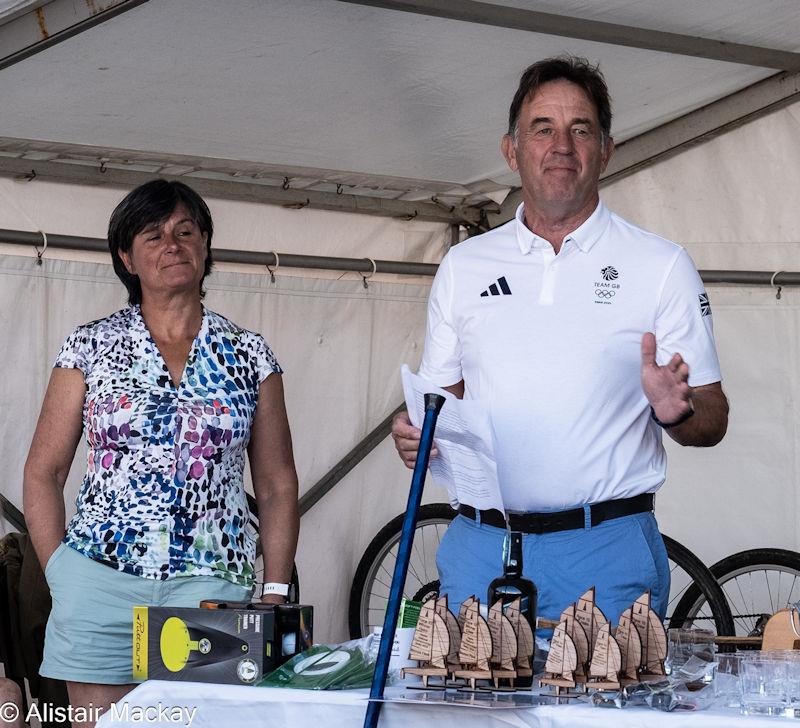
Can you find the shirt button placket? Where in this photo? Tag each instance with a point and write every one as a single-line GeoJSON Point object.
{"type": "Point", "coordinates": [548, 278]}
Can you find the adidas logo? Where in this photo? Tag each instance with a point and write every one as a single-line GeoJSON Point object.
{"type": "Point", "coordinates": [503, 289]}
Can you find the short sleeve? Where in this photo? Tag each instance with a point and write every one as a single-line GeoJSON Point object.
{"type": "Point", "coordinates": [266, 362]}
{"type": "Point", "coordinates": [684, 324]}
{"type": "Point", "coordinates": [74, 353]}
{"type": "Point", "coordinates": [441, 360]}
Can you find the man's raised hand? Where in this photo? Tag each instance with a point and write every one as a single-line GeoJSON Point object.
{"type": "Point", "coordinates": [666, 387]}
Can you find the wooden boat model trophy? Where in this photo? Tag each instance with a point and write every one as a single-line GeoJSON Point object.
{"type": "Point", "coordinates": [634, 652]}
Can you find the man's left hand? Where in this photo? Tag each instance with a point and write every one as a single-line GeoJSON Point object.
{"type": "Point", "coordinates": [666, 388]}
{"type": "Point", "coordinates": [273, 599]}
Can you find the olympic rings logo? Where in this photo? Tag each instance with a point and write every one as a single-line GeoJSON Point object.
{"type": "Point", "coordinates": [601, 293]}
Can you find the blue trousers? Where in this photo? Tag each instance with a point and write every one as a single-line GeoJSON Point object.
{"type": "Point", "coordinates": [621, 558]}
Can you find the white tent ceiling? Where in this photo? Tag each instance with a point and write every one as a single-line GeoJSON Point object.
{"type": "Point", "coordinates": [383, 102]}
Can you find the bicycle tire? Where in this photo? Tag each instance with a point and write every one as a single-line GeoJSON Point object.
{"type": "Point", "coordinates": [372, 573]}
{"type": "Point", "coordinates": [425, 584]}
{"type": "Point", "coordinates": [754, 598]}
{"type": "Point", "coordinates": [703, 582]}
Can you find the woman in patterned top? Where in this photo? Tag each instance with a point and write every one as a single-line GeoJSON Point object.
{"type": "Point", "coordinates": [171, 396]}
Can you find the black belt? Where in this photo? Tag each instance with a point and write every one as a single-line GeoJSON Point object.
{"type": "Point", "coordinates": [562, 520]}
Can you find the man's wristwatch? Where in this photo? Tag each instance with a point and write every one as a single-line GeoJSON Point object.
{"type": "Point", "coordinates": [667, 425]}
{"type": "Point", "coordinates": [274, 587]}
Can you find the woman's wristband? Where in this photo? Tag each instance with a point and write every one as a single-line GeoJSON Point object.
{"type": "Point", "coordinates": [274, 587]}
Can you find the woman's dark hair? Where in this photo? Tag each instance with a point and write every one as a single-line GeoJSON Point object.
{"type": "Point", "coordinates": [151, 204]}
{"type": "Point", "coordinates": [567, 68]}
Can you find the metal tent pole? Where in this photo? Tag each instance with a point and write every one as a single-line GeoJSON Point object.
{"type": "Point", "coordinates": [226, 255]}
{"type": "Point", "coordinates": [364, 265]}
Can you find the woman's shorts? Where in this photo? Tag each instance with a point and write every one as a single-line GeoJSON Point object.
{"type": "Point", "coordinates": [89, 635]}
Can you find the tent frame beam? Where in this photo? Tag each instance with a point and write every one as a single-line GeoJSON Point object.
{"type": "Point", "coordinates": [296, 198]}
{"type": "Point", "coordinates": [360, 265]}
{"type": "Point", "coordinates": [593, 30]}
{"type": "Point", "coordinates": [46, 24]}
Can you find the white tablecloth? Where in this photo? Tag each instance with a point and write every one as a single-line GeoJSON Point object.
{"type": "Point", "coordinates": [219, 706]}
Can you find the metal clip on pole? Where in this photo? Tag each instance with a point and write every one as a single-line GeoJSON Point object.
{"type": "Point", "coordinates": [433, 404]}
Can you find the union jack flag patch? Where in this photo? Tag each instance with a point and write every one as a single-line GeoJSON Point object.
{"type": "Point", "coordinates": [705, 305]}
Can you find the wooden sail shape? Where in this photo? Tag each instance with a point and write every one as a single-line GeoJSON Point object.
{"type": "Point", "coordinates": [453, 630]}
{"type": "Point", "coordinates": [561, 660]}
{"type": "Point", "coordinates": [653, 636]}
{"type": "Point", "coordinates": [578, 634]}
{"type": "Point", "coordinates": [476, 646]}
{"type": "Point", "coordinates": [590, 617]}
{"type": "Point", "coordinates": [606, 660]}
{"type": "Point", "coordinates": [476, 640]}
{"type": "Point", "coordinates": [430, 645]}
{"type": "Point", "coordinates": [504, 645]}
{"type": "Point", "coordinates": [504, 641]}
{"type": "Point", "coordinates": [524, 633]}
{"type": "Point", "coordinates": [630, 645]}
{"type": "Point", "coordinates": [462, 612]}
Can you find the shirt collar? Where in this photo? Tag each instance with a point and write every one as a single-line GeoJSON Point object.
{"type": "Point", "coordinates": [584, 236]}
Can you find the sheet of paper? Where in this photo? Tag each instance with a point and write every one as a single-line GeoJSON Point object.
{"type": "Point", "coordinates": [466, 463]}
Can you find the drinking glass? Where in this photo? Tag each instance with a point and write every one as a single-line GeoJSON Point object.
{"type": "Point", "coordinates": [764, 683]}
{"type": "Point", "coordinates": [685, 643]}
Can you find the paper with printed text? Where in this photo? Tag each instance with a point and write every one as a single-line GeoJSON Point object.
{"type": "Point", "coordinates": [466, 463]}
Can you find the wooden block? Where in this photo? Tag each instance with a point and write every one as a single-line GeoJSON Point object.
{"type": "Point", "coordinates": [472, 675]}
{"type": "Point", "coordinates": [781, 633]}
{"type": "Point", "coordinates": [603, 685]}
{"type": "Point", "coordinates": [425, 673]}
{"type": "Point", "coordinates": [498, 675]}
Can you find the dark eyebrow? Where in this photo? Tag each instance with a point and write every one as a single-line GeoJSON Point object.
{"type": "Point", "coordinates": [548, 120]}
{"type": "Point", "coordinates": [186, 219]}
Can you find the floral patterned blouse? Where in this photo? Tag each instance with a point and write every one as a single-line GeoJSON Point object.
{"type": "Point", "coordinates": [163, 494]}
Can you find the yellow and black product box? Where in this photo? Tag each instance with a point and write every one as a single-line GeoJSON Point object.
{"type": "Point", "coordinates": [223, 644]}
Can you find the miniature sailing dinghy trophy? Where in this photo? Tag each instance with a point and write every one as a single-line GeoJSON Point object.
{"type": "Point", "coordinates": [562, 660]}
{"type": "Point", "coordinates": [653, 638]}
{"type": "Point", "coordinates": [476, 647]}
{"type": "Point", "coordinates": [630, 647]}
{"type": "Point", "coordinates": [430, 646]}
{"type": "Point", "coordinates": [606, 661]}
{"type": "Point", "coordinates": [606, 658]}
{"type": "Point", "coordinates": [522, 629]}
{"type": "Point", "coordinates": [504, 646]}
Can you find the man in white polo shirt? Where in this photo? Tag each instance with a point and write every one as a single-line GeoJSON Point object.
{"type": "Point", "coordinates": [585, 337]}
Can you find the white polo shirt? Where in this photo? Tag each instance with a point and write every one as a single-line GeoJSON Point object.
{"type": "Point", "coordinates": [552, 345]}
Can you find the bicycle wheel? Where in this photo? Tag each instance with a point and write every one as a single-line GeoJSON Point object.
{"type": "Point", "coordinates": [689, 574]}
{"type": "Point", "coordinates": [370, 591]}
{"type": "Point", "coordinates": [757, 583]}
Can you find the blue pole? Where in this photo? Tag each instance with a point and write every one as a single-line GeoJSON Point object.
{"type": "Point", "coordinates": [433, 403]}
